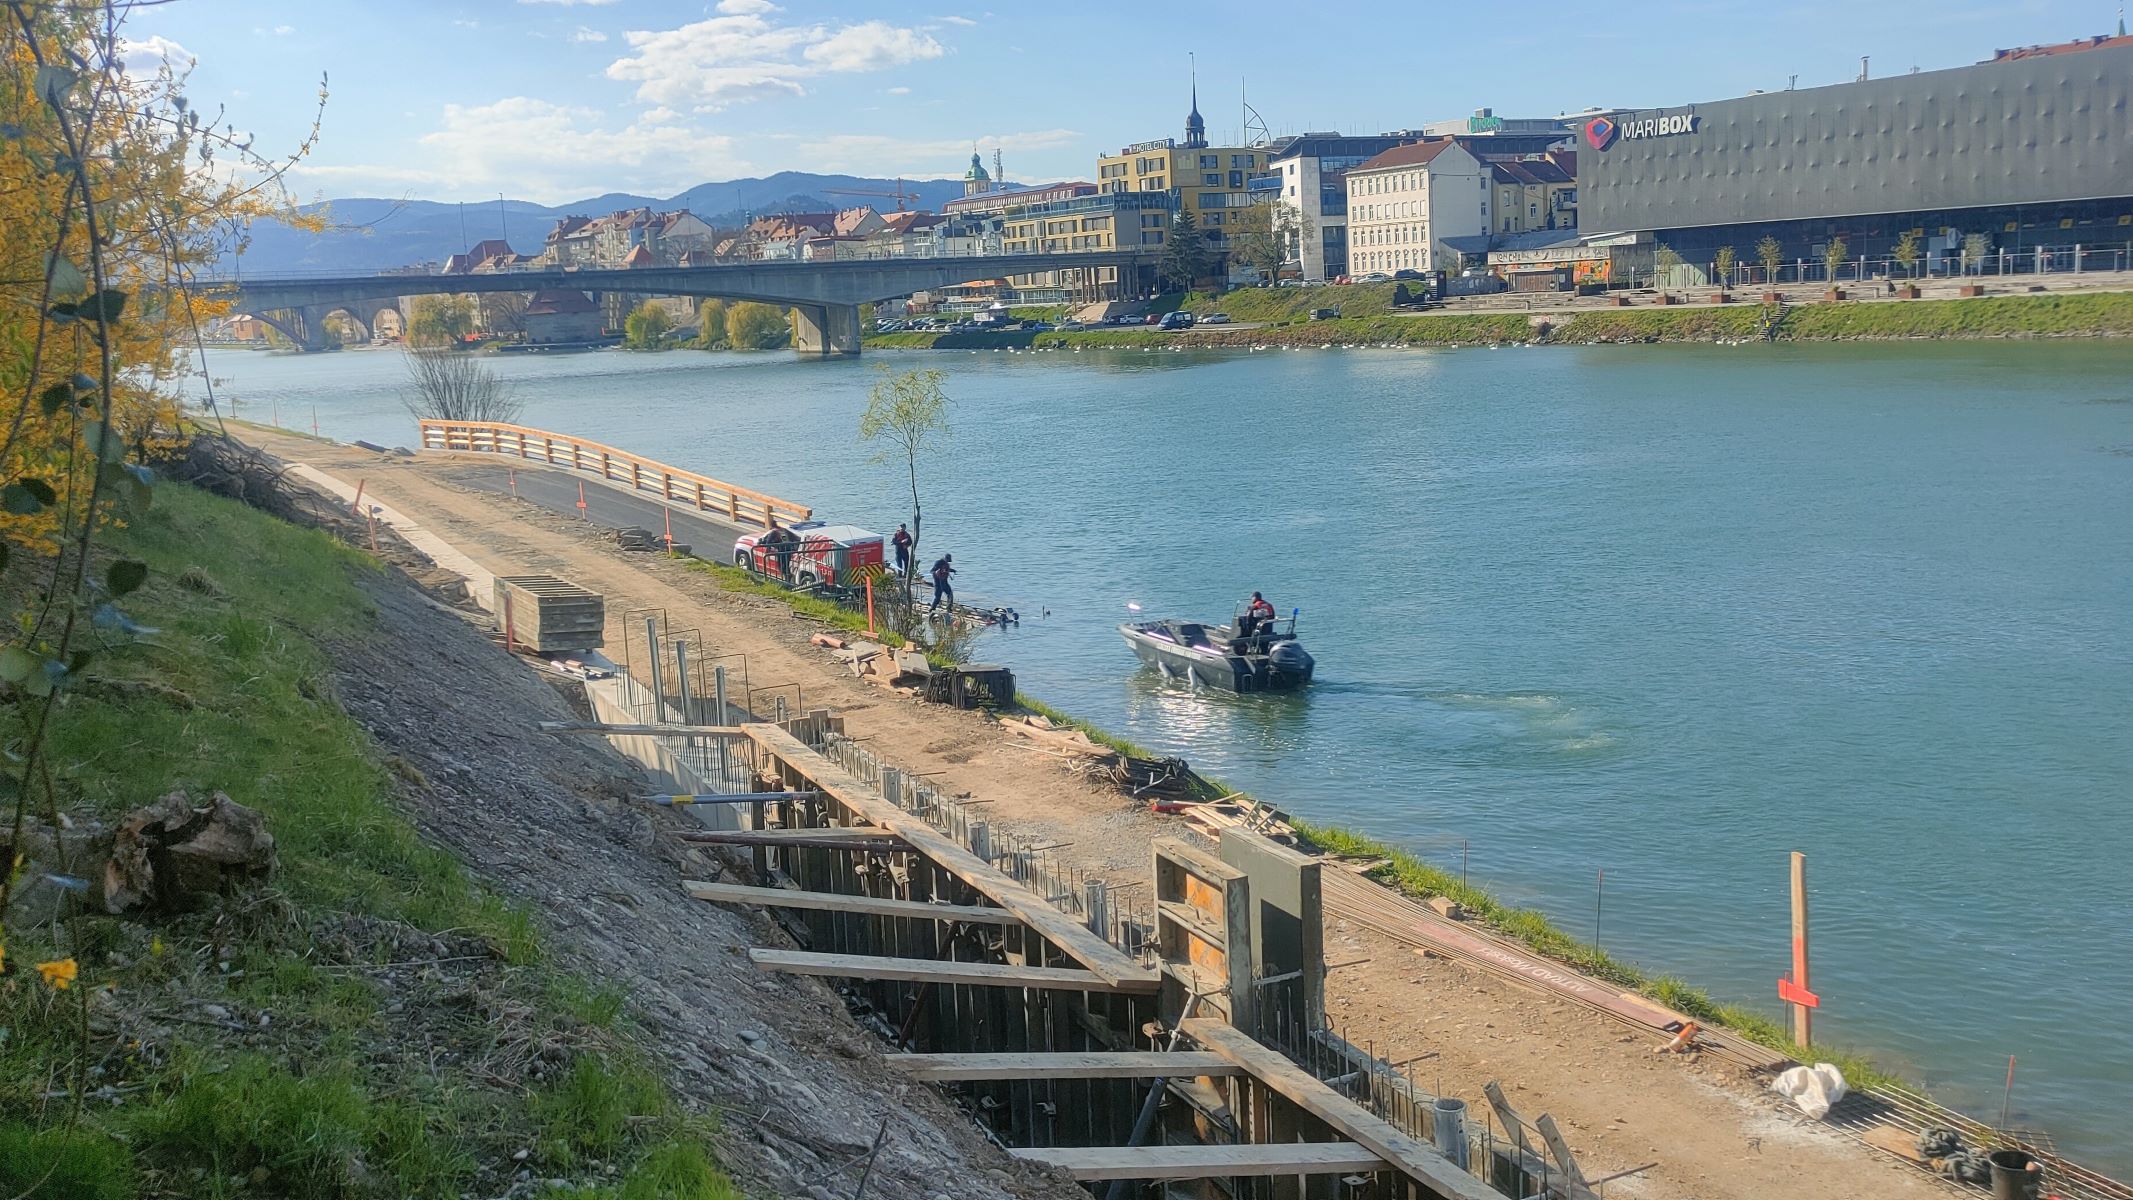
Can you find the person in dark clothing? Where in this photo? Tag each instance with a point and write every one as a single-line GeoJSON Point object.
{"type": "Point", "coordinates": [943, 567]}
{"type": "Point", "coordinates": [1257, 617]}
{"type": "Point", "coordinates": [902, 542]}
{"type": "Point", "coordinates": [781, 540]}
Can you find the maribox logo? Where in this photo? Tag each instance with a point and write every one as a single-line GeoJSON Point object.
{"type": "Point", "coordinates": [1601, 132]}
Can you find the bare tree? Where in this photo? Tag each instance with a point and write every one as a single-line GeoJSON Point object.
{"type": "Point", "coordinates": [445, 385]}
{"type": "Point", "coordinates": [906, 420]}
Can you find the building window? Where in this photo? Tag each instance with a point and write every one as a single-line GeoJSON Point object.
{"type": "Point", "coordinates": [1211, 179]}
{"type": "Point", "coordinates": [1210, 160]}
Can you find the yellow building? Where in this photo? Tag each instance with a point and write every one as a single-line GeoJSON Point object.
{"type": "Point", "coordinates": [1538, 191]}
{"type": "Point", "coordinates": [1104, 221]}
{"type": "Point", "coordinates": [1206, 181]}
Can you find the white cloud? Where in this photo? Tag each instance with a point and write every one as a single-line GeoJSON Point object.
{"type": "Point", "coordinates": [150, 54]}
{"type": "Point", "coordinates": [872, 46]}
{"type": "Point", "coordinates": [466, 22]}
{"type": "Point", "coordinates": [899, 91]}
{"type": "Point", "coordinates": [284, 30]}
{"type": "Point", "coordinates": [538, 150]}
{"type": "Point", "coordinates": [877, 154]}
{"type": "Point", "coordinates": [956, 20]}
{"type": "Point", "coordinates": [570, 3]}
{"type": "Point", "coordinates": [741, 56]}
{"type": "Point", "coordinates": [587, 34]}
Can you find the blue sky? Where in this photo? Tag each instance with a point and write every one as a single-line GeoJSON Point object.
{"type": "Point", "coordinates": [555, 100]}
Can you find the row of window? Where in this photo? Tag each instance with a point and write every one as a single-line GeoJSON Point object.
{"type": "Point", "coordinates": [1387, 212]}
{"type": "Point", "coordinates": [1389, 260]}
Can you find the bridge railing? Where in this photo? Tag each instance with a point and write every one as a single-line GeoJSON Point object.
{"type": "Point", "coordinates": [739, 505]}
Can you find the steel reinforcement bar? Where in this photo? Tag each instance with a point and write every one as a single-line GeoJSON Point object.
{"type": "Point", "coordinates": [739, 505]}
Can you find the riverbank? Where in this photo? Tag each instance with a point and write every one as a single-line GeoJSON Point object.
{"type": "Point", "coordinates": [1615, 1100]}
{"type": "Point", "coordinates": [1368, 320]}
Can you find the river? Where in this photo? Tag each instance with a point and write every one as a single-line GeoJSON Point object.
{"type": "Point", "coordinates": [1666, 612]}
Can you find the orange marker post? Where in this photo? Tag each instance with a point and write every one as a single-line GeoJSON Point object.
{"type": "Point", "coordinates": [581, 500]}
{"type": "Point", "coordinates": [1793, 989]}
{"type": "Point", "coordinates": [670, 534]}
{"type": "Point", "coordinates": [357, 507]}
{"type": "Point", "coordinates": [514, 485]}
{"type": "Point", "coordinates": [870, 606]}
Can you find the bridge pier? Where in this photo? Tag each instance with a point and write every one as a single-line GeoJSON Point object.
{"type": "Point", "coordinates": [826, 329]}
{"type": "Point", "coordinates": [312, 319]}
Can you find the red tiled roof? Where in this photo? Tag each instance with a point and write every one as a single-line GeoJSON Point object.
{"type": "Point", "coordinates": [1413, 155]}
{"type": "Point", "coordinates": [559, 303]}
{"type": "Point", "coordinates": [638, 257]}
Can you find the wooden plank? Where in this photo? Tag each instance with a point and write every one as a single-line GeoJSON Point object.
{"type": "Point", "coordinates": [1094, 1163]}
{"type": "Point", "coordinates": [1415, 1159]}
{"type": "Point", "coordinates": [1559, 1149]}
{"type": "Point", "coordinates": [1081, 1065]}
{"type": "Point", "coordinates": [866, 906]}
{"type": "Point", "coordinates": [835, 838]}
{"type": "Point", "coordinates": [926, 970]}
{"type": "Point", "coordinates": [733, 731]}
{"type": "Point", "coordinates": [1091, 951]}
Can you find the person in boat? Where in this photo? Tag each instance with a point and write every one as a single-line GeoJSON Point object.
{"type": "Point", "coordinates": [902, 542]}
{"type": "Point", "coordinates": [1258, 615]}
{"type": "Point", "coordinates": [943, 567]}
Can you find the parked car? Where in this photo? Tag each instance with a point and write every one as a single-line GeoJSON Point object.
{"type": "Point", "coordinates": [834, 553]}
{"type": "Point", "coordinates": [1407, 273]}
{"type": "Point", "coordinates": [1325, 314]}
{"type": "Point", "coordinates": [1174, 321]}
{"type": "Point", "coordinates": [1125, 320]}
{"type": "Point", "coordinates": [1153, 319]}
{"type": "Point", "coordinates": [1373, 277]}
{"type": "Point", "coordinates": [1215, 319]}
{"type": "Point", "coordinates": [1292, 283]}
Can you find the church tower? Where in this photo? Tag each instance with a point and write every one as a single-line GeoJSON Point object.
{"type": "Point", "coordinates": [1195, 124]}
{"type": "Point", "coordinates": [975, 181]}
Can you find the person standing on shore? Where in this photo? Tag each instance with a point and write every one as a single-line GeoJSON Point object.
{"type": "Point", "coordinates": [943, 567]}
{"type": "Point", "coordinates": [902, 542]}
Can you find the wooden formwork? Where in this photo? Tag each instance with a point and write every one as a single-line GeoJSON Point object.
{"type": "Point", "coordinates": [546, 614]}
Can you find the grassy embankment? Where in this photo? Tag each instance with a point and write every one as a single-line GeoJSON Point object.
{"type": "Point", "coordinates": [264, 1048]}
{"type": "Point", "coordinates": [1410, 875]}
{"type": "Point", "coordinates": [1367, 318]}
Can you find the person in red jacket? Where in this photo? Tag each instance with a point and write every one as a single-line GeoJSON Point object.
{"type": "Point", "coordinates": [1257, 616]}
{"type": "Point", "coordinates": [902, 542]}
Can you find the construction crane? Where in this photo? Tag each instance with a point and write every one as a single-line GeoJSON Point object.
{"type": "Point", "coordinates": [899, 194]}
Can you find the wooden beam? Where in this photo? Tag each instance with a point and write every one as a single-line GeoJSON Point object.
{"type": "Point", "coordinates": [863, 802]}
{"type": "Point", "coordinates": [1093, 1163]}
{"type": "Point", "coordinates": [1415, 1159]}
{"type": "Point", "coordinates": [1559, 1149]}
{"type": "Point", "coordinates": [927, 970]}
{"type": "Point", "coordinates": [1082, 1065]}
{"type": "Point", "coordinates": [866, 906]}
{"type": "Point", "coordinates": [831, 838]}
{"type": "Point", "coordinates": [731, 731]}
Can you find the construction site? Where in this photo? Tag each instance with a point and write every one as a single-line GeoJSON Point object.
{"type": "Point", "coordinates": [1147, 999]}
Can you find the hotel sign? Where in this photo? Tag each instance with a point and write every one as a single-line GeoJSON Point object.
{"type": "Point", "coordinates": [1602, 132]}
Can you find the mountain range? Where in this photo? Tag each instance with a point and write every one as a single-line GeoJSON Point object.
{"type": "Point", "coordinates": [371, 234]}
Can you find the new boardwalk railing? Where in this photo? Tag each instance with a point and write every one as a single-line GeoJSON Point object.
{"type": "Point", "coordinates": [739, 505]}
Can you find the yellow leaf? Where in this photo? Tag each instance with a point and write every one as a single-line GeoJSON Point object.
{"type": "Point", "coordinates": [59, 973]}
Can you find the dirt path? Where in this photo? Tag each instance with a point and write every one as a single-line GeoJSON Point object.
{"type": "Point", "coordinates": [1713, 1133]}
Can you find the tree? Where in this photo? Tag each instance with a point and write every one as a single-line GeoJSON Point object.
{"type": "Point", "coordinates": [440, 321]}
{"type": "Point", "coordinates": [1668, 262]}
{"type": "Point", "coordinates": [1256, 240]}
{"type": "Point", "coordinates": [1833, 256]}
{"type": "Point", "coordinates": [1771, 253]}
{"type": "Point", "coordinates": [1185, 257]}
{"type": "Point", "coordinates": [341, 327]}
{"type": "Point", "coordinates": [443, 386]}
{"type": "Point", "coordinates": [711, 325]}
{"type": "Point", "coordinates": [1975, 247]}
{"type": "Point", "coordinates": [1722, 262]}
{"type": "Point", "coordinates": [1906, 252]}
{"type": "Point", "coordinates": [647, 326]}
{"type": "Point", "coordinates": [906, 421]}
{"type": "Point", "coordinates": [503, 314]}
{"type": "Point", "coordinates": [752, 326]}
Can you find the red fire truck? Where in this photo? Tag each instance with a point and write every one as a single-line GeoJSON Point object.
{"type": "Point", "coordinates": [840, 555]}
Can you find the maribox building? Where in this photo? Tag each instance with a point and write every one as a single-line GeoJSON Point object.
{"type": "Point", "coordinates": [2032, 149]}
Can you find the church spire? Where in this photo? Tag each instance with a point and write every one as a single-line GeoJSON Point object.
{"type": "Point", "coordinates": [1195, 124]}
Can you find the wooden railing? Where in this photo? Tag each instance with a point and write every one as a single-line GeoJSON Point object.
{"type": "Point", "coordinates": [738, 505]}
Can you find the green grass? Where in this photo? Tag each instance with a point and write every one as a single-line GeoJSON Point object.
{"type": "Point", "coordinates": [337, 1096]}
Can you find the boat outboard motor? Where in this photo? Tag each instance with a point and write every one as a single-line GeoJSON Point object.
{"type": "Point", "coordinates": [1288, 658]}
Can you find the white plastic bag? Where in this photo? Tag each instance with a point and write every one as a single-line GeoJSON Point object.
{"type": "Point", "coordinates": [1815, 1089]}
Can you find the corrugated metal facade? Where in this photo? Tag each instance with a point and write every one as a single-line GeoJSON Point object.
{"type": "Point", "coordinates": [2033, 131]}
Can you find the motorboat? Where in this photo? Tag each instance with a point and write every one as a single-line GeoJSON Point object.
{"type": "Point", "coordinates": [1266, 657]}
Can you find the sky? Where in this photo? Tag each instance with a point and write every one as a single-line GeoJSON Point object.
{"type": "Point", "coordinates": [558, 100]}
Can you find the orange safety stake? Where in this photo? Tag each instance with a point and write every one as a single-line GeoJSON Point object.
{"type": "Point", "coordinates": [357, 507]}
{"type": "Point", "coordinates": [670, 534]}
{"type": "Point", "coordinates": [581, 500]}
{"type": "Point", "coordinates": [514, 485]}
{"type": "Point", "coordinates": [870, 606]}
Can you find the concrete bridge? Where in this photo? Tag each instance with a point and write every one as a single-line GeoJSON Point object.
{"type": "Point", "coordinates": [826, 295]}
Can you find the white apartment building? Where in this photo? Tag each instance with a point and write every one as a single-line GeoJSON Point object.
{"type": "Point", "coordinates": [1308, 170]}
{"type": "Point", "coordinates": [1403, 203]}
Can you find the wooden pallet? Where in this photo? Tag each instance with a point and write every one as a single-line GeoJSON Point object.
{"type": "Point", "coordinates": [545, 614]}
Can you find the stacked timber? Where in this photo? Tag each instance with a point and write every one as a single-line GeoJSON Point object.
{"type": "Point", "coordinates": [546, 614]}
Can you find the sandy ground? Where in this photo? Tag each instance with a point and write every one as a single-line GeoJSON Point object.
{"type": "Point", "coordinates": [1710, 1130]}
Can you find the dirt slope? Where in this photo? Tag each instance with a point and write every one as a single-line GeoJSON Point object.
{"type": "Point", "coordinates": [1712, 1132]}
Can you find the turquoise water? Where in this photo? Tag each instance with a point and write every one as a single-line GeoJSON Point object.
{"type": "Point", "coordinates": [1666, 612]}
